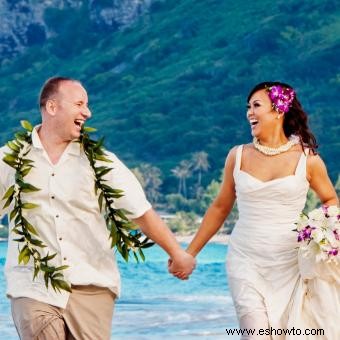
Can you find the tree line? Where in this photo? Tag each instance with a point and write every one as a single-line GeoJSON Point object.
{"type": "Point", "coordinates": [187, 204]}
{"type": "Point", "coordinates": [191, 199]}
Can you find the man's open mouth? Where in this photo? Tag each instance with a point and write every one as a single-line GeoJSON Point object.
{"type": "Point", "coordinates": [79, 122]}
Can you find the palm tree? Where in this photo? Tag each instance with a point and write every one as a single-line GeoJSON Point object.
{"type": "Point", "coordinates": [200, 164]}
{"type": "Point", "coordinates": [150, 178]}
{"type": "Point", "coordinates": [182, 172]}
{"type": "Point", "coordinates": [153, 181]}
{"type": "Point", "coordinates": [177, 172]}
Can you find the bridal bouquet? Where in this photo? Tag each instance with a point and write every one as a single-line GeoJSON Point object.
{"type": "Point", "coordinates": [319, 234]}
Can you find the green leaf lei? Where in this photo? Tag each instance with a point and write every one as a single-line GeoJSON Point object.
{"type": "Point", "coordinates": [123, 233]}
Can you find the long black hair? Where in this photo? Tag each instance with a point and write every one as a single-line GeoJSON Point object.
{"type": "Point", "coordinates": [295, 121]}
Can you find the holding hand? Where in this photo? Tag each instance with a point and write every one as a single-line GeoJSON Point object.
{"type": "Point", "coordinates": [182, 265]}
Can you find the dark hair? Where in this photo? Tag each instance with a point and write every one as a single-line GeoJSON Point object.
{"type": "Point", "coordinates": [50, 88]}
{"type": "Point", "coordinates": [295, 121]}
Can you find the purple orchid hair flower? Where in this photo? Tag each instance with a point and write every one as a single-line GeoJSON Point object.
{"type": "Point", "coordinates": [281, 97]}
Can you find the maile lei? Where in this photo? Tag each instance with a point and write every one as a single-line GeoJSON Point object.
{"type": "Point", "coordinates": [123, 233]}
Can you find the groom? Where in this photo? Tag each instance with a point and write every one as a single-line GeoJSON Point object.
{"type": "Point", "coordinates": [69, 222]}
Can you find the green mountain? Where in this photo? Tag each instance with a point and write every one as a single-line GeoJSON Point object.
{"type": "Point", "coordinates": [175, 81]}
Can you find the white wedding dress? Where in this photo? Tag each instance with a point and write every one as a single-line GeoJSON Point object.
{"type": "Point", "coordinates": [262, 263]}
{"type": "Point", "coordinates": [316, 303]}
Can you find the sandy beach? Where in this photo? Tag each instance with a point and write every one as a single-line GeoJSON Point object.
{"type": "Point", "coordinates": [219, 238]}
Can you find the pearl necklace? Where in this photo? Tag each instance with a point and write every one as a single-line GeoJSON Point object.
{"type": "Point", "coordinates": [267, 150]}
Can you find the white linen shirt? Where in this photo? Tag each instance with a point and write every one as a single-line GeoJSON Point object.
{"type": "Point", "coordinates": [68, 221]}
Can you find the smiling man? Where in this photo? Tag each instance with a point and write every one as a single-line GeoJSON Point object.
{"type": "Point", "coordinates": [69, 222]}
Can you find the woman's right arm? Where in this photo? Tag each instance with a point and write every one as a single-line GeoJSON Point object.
{"type": "Point", "coordinates": [218, 210]}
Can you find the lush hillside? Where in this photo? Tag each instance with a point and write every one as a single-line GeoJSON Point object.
{"type": "Point", "coordinates": [175, 82]}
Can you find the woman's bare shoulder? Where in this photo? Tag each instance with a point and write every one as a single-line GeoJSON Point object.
{"type": "Point", "coordinates": [233, 151]}
{"type": "Point", "coordinates": [231, 156]}
{"type": "Point", "coordinates": [248, 147]}
{"type": "Point", "coordinates": [314, 160]}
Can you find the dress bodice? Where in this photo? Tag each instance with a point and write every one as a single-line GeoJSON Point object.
{"type": "Point", "coordinates": [275, 201]}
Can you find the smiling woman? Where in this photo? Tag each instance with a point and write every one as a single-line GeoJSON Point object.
{"type": "Point", "coordinates": [270, 179]}
{"type": "Point", "coordinates": [280, 99]}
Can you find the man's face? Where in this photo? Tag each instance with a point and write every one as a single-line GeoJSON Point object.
{"type": "Point", "coordinates": [71, 109]}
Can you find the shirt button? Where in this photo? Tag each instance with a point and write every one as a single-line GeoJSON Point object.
{"type": "Point", "coordinates": [60, 238]}
{"type": "Point", "coordinates": [53, 197]}
{"type": "Point", "coordinates": [52, 174]}
{"type": "Point", "coordinates": [56, 216]}
{"type": "Point", "coordinates": [65, 258]}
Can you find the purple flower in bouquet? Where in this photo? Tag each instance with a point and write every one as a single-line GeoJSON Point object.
{"type": "Point", "coordinates": [333, 252]}
{"type": "Point", "coordinates": [305, 233]}
{"type": "Point", "coordinates": [332, 211]}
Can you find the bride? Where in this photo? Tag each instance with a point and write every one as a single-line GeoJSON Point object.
{"type": "Point", "coordinates": [269, 179]}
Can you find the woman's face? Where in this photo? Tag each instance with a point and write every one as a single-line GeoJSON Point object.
{"type": "Point", "coordinates": [260, 113]}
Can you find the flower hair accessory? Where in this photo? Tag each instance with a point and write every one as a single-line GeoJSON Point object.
{"type": "Point", "coordinates": [281, 97]}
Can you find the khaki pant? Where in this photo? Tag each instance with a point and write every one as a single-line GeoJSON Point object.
{"type": "Point", "coordinates": [87, 316]}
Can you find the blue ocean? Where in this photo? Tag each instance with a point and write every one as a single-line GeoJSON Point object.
{"type": "Point", "coordinates": [155, 305]}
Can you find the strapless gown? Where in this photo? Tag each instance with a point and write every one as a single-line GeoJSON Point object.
{"type": "Point", "coordinates": [262, 262]}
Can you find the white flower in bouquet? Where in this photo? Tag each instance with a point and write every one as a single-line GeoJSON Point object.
{"type": "Point", "coordinates": [316, 215]}
{"type": "Point", "coordinates": [333, 211]}
{"type": "Point", "coordinates": [301, 223]}
{"type": "Point", "coordinates": [319, 234]}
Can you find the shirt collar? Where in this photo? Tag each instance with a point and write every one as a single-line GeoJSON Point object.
{"type": "Point", "coordinates": [72, 148]}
